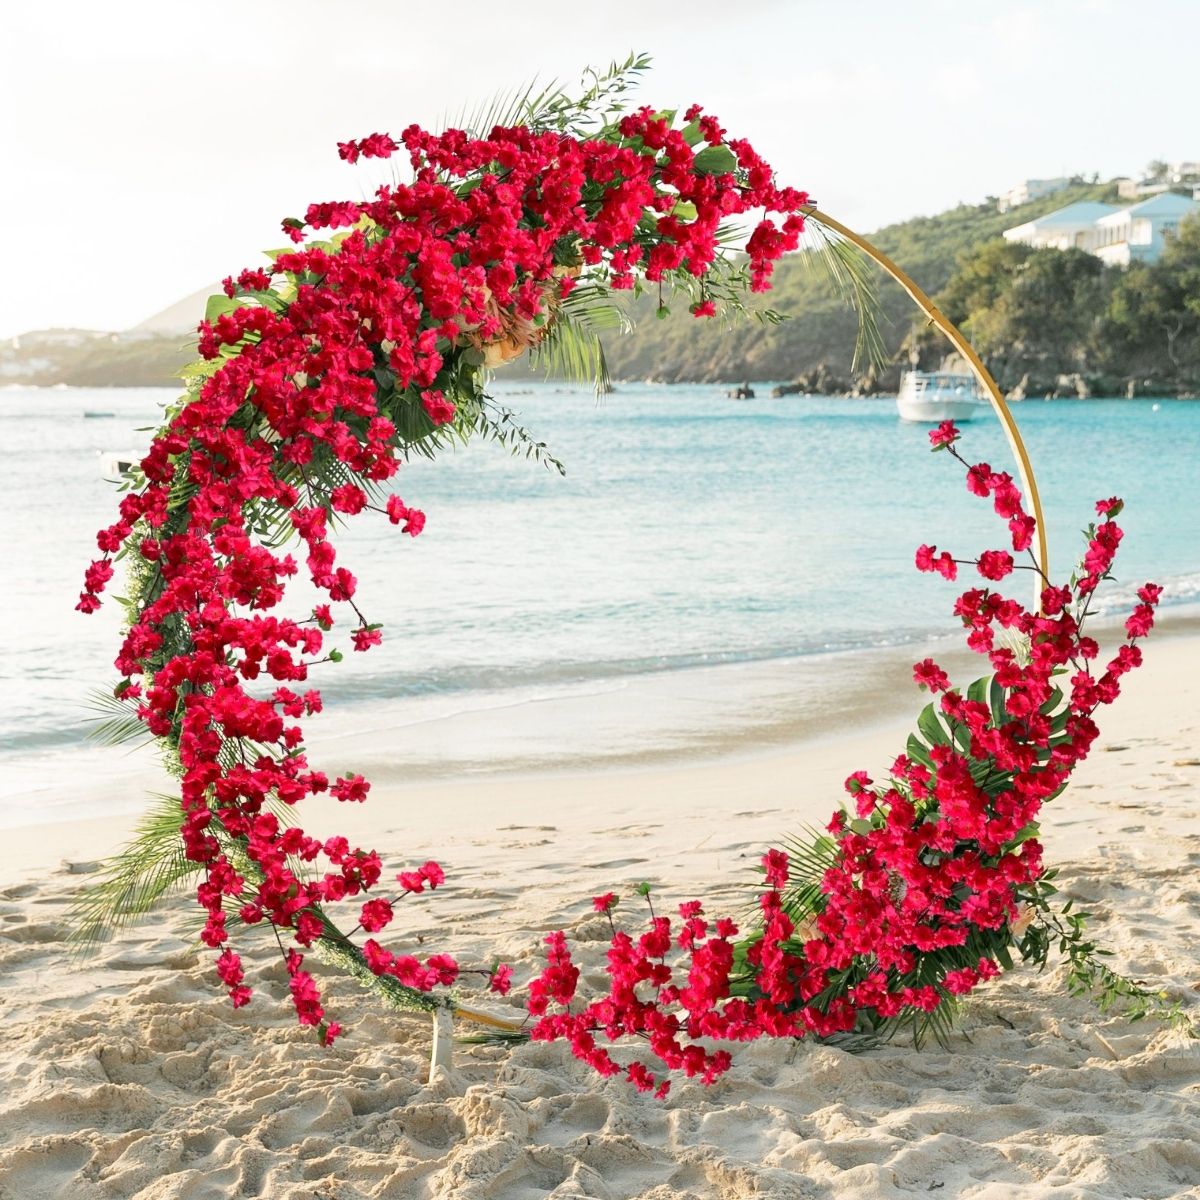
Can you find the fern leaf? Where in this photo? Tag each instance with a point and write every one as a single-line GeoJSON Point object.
{"type": "Point", "coordinates": [134, 882]}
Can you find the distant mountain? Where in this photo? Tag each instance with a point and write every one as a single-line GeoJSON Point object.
{"type": "Point", "coordinates": [85, 358]}
{"type": "Point", "coordinates": [181, 317]}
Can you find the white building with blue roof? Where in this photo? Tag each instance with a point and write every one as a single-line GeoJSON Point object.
{"type": "Point", "coordinates": [1119, 236]}
{"type": "Point", "coordinates": [1139, 233]}
{"type": "Point", "coordinates": [1073, 226]}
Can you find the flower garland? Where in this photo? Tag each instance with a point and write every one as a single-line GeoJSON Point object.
{"type": "Point", "coordinates": [320, 373]}
{"type": "Point", "coordinates": [919, 891]}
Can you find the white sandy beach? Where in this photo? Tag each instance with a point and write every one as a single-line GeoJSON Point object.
{"type": "Point", "coordinates": [130, 1076]}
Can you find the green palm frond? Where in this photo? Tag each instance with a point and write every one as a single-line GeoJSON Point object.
{"type": "Point", "coordinates": [810, 854]}
{"type": "Point", "coordinates": [592, 307]}
{"type": "Point", "coordinates": [498, 424]}
{"type": "Point", "coordinates": [134, 881]}
{"type": "Point", "coordinates": [938, 1024]}
{"type": "Point", "coordinates": [116, 722]}
{"type": "Point", "coordinates": [520, 106]}
{"type": "Point", "coordinates": [572, 348]}
{"type": "Point", "coordinates": [550, 105]}
{"type": "Point", "coordinates": [854, 1042]}
{"type": "Point", "coordinates": [851, 274]}
{"type": "Point", "coordinates": [506, 109]}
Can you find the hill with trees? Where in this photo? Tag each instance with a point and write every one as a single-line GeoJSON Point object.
{"type": "Point", "coordinates": [1048, 322]}
{"type": "Point", "coordinates": [816, 342]}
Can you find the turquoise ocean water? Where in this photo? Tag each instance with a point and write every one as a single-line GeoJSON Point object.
{"type": "Point", "coordinates": [689, 530]}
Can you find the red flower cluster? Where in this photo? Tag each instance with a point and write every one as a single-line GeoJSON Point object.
{"type": "Point", "coordinates": [321, 371]}
{"type": "Point", "coordinates": [935, 859]}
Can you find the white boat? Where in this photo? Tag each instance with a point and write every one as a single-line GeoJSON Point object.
{"type": "Point", "coordinates": [930, 397]}
{"type": "Point", "coordinates": [116, 464]}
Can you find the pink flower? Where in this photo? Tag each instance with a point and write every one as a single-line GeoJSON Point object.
{"type": "Point", "coordinates": [364, 638]}
{"type": "Point", "coordinates": [995, 564]}
{"type": "Point", "coordinates": [413, 518]}
{"type": "Point", "coordinates": [979, 478]}
{"type": "Point", "coordinates": [946, 434]}
{"type": "Point", "coordinates": [929, 675]}
{"type": "Point", "coordinates": [775, 865]}
{"type": "Point", "coordinates": [927, 559]}
{"type": "Point", "coordinates": [439, 410]}
{"type": "Point", "coordinates": [352, 787]}
{"type": "Point", "coordinates": [500, 981]}
{"type": "Point", "coordinates": [348, 499]}
{"type": "Point", "coordinates": [376, 915]}
{"type": "Point", "coordinates": [444, 968]}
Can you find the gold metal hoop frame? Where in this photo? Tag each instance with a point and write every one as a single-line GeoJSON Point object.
{"type": "Point", "coordinates": [981, 373]}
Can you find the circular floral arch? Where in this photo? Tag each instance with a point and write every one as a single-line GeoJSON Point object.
{"type": "Point", "coordinates": [320, 373]}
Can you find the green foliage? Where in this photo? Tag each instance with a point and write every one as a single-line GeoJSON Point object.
{"type": "Point", "coordinates": [135, 881]}
{"type": "Point", "coordinates": [825, 330]}
{"type": "Point", "coordinates": [1030, 312]}
{"type": "Point", "coordinates": [498, 424]}
{"type": "Point", "coordinates": [336, 950]}
{"type": "Point", "coordinates": [600, 103]}
{"type": "Point", "coordinates": [572, 348]}
{"type": "Point", "coordinates": [1064, 930]}
{"type": "Point", "coordinates": [1152, 322]}
{"type": "Point", "coordinates": [116, 722]}
{"type": "Point", "coordinates": [853, 276]}
{"type": "Point", "coordinates": [1053, 930]}
{"type": "Point", "coordinates": [1043, 313]}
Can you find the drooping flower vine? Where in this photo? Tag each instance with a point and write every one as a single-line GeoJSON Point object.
{"type": "Point", "coordinates": [925, 885]}
{"type": "Point", "coordinates": [323, 371]}
{"type": "Point", "coordinates": [319, 373]}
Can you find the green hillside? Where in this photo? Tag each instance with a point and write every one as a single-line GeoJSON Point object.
{"type": "Point", "coordinates": [1048, 322]}
{"type": "Point", "coordinates": [820, 331]}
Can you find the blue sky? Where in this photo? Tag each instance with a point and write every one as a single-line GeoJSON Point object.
{"type": "Point", "coordinates": [150, 148]}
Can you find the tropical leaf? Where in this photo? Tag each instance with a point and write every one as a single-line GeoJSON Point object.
{"type": "Point", "coordinates": [134, 881]}
{"type": "Point", "coordinates": [810, 855]}
{"type": "Point", "coordinates": [572, 350]}
{"type": "Point", "coordinates": [500, 425]}
{"type": "Point", "coordinates": [116, 722]}
{"type": "Point", "coordinates": [851, 273]}
{"type": "Point", "coordinates": [550, 105]}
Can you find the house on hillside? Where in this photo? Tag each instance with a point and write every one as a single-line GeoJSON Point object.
{"type": "Point", "coordinates": [1119, 236]}
{"type": "Point", "coordinates": [1139, 233]}
{"type": "Point", "coordinates": [1182, 177]}
{"type": "Point", "coordinates": [1029, 189]}
{"type": "Point", "coordinates": [1073, 226]}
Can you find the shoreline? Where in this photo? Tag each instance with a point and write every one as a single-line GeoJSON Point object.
{"type": "Point", "coordinates": [821, 716]}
